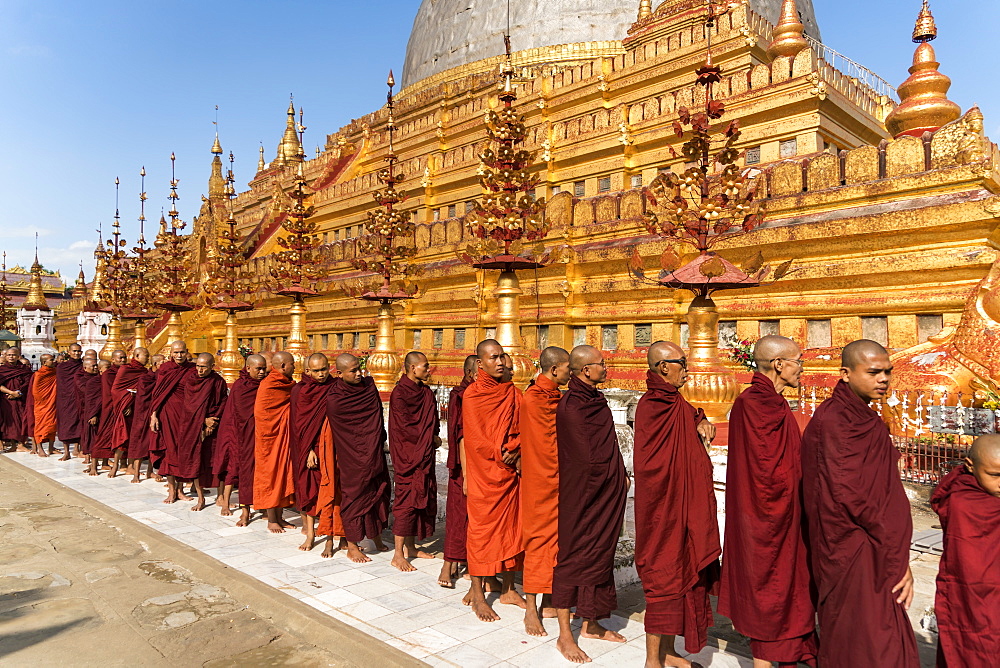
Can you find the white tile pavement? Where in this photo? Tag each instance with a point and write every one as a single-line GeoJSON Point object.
{"type": "Point", "coordinates": [406, 610]}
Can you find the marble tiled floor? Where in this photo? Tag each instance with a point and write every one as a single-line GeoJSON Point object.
{"type": "Point", "coordinates": [405, 610]}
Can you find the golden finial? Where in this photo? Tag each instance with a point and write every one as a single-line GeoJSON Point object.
{"type": "Point", "coordinates": [261, 165]}
{"type": "Point", "coordinates": [217, 147]}
{"type": "Point", "coordinates": [216, 182]}
{"type": "Point", "coordinates": [391, 81]}
{"type": "Point", "coordinates": [924, 105]}
{"type": "Point", "coordinates": [925, 30]}
{"type": "Point", "coordinates": [290, 149]}
{"type": "Point", "coordinates": [35, 299]}
{"type": "Point", "coordinates": [787, 38]}
{"type": "Point", "coordinates": [80, 289]}
{"type": "Point", "coordinates": [645, 9]}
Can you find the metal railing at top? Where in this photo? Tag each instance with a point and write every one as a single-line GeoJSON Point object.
{"type": "Point", "coordinates": [852, 69]}
{"type": "Point", "coordinates": [932, 430]}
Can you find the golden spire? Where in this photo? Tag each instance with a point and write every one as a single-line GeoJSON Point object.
{"type": "Point", "coordinates": [35, 299]}
{"type": "Point", "coordinates": [261, 165]}
{"type": "Point", "coordinates": [290, 149]}
{"type": "Point", "coordinates": [96, 292]}
{"type": "Point", "coordinates": [645, 9]}
{"type": "Point", "coordinates": [80, 289]}
{"type": "Point", "coordinates": [216, 182]}
{"type": "Point", "coordinates": [786, 38]}
{"type": "Point", "coordinates": [924, 105]}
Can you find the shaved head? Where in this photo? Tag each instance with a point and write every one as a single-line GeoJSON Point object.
{"type": "Point", "coordinates": [771, 348]}
{"type": "Point", "coordinates": [667, 360]}
{"type": "Point", "coordinates": [256, 366]}
{"type": "Point", "coordinates": [318, 367]}
{"type": "Point", "coordinates": [485, 346]}
{"type": "Point", "coordinates": [469, 367]}
{"type": "Point", "coordinates": [90, 352]}
{"type": "Point", "coordinates": [90, 365]}
{"type": "Point", "coordinates": [157, 360]}
{"type": "Point", "coordinates": [413, 357]}
{"type": "Point", "coordinates": [662, 350]}
{"type": "Point", "coordinates": [141, 355]}
{"type": "Point", "coordinates": [179, 352]}
{"type": "Point", "coordinates": [204, 364]}
{"type": "Point", "coordinates": [489, 357]}
{"type": "Point", "coordinates": [416, 367]}
{"type": "Point", "coordinates": [118, 357]}
{"type": "Point", "coordinates": [345, 361]}
{"type": "Point", "coordinates": [47, 360]}
{"type": "Point", "coordinates": [983, 462]}
{"type": "Point", "coordinates": [865, 366]}
{"type": "Point", "coordinates": [554, 363]}
{"type": "Point", "coordinates": [283, 362]}
{"type": "Point", "coordinates": [11, 355]}
{"type": "Point", "coordinates": [858, 352]}
{"type": "Point", "coordinates": [587, 364]}
{"type": "Point", "coordinates": [103, 365]}
{"type": "Point", "coordinates": [349, 368]}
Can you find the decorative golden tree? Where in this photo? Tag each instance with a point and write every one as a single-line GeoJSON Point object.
{"type": "Point", "coordinates": [6, 324]}
{"type": "Point", "coordinates": [116, 282]}
{"type": "Point", "coordinates": [508, 218]}
{"type": "Point", "coordinates": [135, 300]}
{"type": "Point", "coordinates": [177, 283]}
{"type": "Point", "coordinates": [297, 268]}
{"type": "Point", "coordinates": [229, 282]}
{"type": "Point", "coordinates": [711, 201]}
{"type": "Point", "coordinates": [383, 252]}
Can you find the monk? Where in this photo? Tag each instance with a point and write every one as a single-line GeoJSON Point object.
{"type": "Point", "coordinates": [766, 588]}
{"type": "Point", "coordinates": [168, 400]}
{"type": "Point", "coordinates": [102, 449]}
{"type": "Point", "coordinates": [138, 433]}
{"type": "Point", "coordinates": [274, 481]}
{"type": "Point", "coordinates": [311, 444]}
{"type": "Point", "coordinates": [540, 485]}
{"type": "Point", "coordinates": [89, 390]}
{"type": "Point", "coordinates": [967, 603]}
{"type": "Point", "coordinates": [676, 529]}
{"type": "Point", "coordinates": [233, 459]}
{"type": "Point", "coordinates": [413, 439]}
{"type": "Point", "coordinates": [91, 353]}
{"type": "Point", "coordinates": [68, 422]}
{"type": "Point", "coordinates": [594, 486]}
{"type": "Point", "coordinates": [41, 407]}
{"type": "Point", "coordinates": [858, 520]}
{"type": "Point", "coordinates": [491, 452]}
{"type": "Point", "coordinates": [456, 517]}
{"type": "Point", "coordinates": [354, 408]}
{"type": "Point", "coordinates": [123, 392]}
{"type": "Point", "coordinates": [15, 376]}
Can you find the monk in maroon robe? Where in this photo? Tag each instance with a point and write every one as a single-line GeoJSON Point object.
{"type": "Point", "coordinates": [592, 474]}
{"type": "Point", "coordinates": [15, 377]}
{"type": "Point", "coordinates": [676, 528]}
{"type": "Point", "coordinates": [122, 401]}
{"type": "Point", "coordinates": [170, 420]}
{"type": "Point", "coordinates": [89, 389]}
{"type": "Point", "coordinates": [233, 459]}
{"type": "Point", "coordinates": [102, 449]}
{"type": "Point", "coordinates": [68, 422]}
{"type": "Point", "coordinates": [456, 515]}
{"type": "Point", "coordinates": [139, 434]}
{"type": "Point", "coordinates": [967, 603]}
{"type": "Point", "coordinates": [766, 589]}
{"type": "Point", "coordinates": [858, 521]}
{"type": "Point", "coordinates": [413, 440]}
{"type": "Point", "coordinates": [308, 422]}
{"type": "Point", "coordinates": [354, 408]}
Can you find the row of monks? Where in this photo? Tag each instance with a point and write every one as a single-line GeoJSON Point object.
{"type": "Point", "coordinates": [817, 530]}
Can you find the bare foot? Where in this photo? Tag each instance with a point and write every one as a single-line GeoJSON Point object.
{"type": "Point", "coordinates": [467, 599]}
{"type": "Point", "coordinates": [158, 478]}
{"type": "Point", "coordinates": [513, 598]}
{"type": "Point", "coordinates": [328, 550]}
{"type": "Point", "coordinates": [571, 651]}
{"type": "Point", "coordinates": [592, 629]}
{"type": "Point", "coordinates": [308, 545]}
{"type": "Point", "coordinates": [65, 456]}
{"type": "Point", "coordinates": [42, 453]}
{"type": "Point", "coordinates": [275, 527]}
{"type": "Point", "coordinates": [244, 518]}
{"type": "Point", "coordinates": [285, 524]}
{"type": "Point", "coordinates": [199, 506]}
{"type": "Point", "coordinates": [484, 611]}
{"type": "Point", "coordinates": [549, 613]}
{"type": "Point", "coordinates": [419, 554]}
{"type": "Point", "coordinates": [92, 470]}
{"type": "Point", "coordinates": [491, 584]}
{"type": "Point", "coordinates": [171, 498]}
{"type": "Point", "coordinates": [533, 623]}
{"type": "Point", "coordinates": [379, 545]}
{"type": "Point", "coordinates": [400, 562]}
{"type": "Point", "coordinates": [446, 578]}
{"type": "Point", "coordinates": [354, 553]}
{"type": "Point", "coordinates": [679, 662]}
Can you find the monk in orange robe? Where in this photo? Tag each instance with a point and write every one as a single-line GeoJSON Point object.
{"type": "Point", "coordinates": [540, 485]}
{"type": "Point", "coordinates": [273, 483]}
{"type": "Point", "coordinates": [492, 444]}
{"type": "Point", "coordinates": [41, 407]}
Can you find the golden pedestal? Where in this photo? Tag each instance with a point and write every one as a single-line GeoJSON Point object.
{"type": "Point", "coordinates": [230, 360]}
{"type": "Point", "coordinates": [297, 344]}
{"type": "Point", "coordinates": [710, 386]}
{"type": "Point", "coordinates": [174, 328]}
{"type": "Point", "coordinates": [139, 337]}
{"type": "Point", "coordinates": [385, 364]}
{"type": "Point", "coordinates": [114, 340]}
{"type": "Point", "coordinates": [508, 295]}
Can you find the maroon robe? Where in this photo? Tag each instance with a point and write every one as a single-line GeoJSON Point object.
{"type": "Point", "coordinates": [102, 444]}
{"type": "Point", "coordinates": [68, 422]}
{"type": "Point", "coordinates": [308, 415]}
{"type": "Point", "coordinates": [187, 453]}
{"type": "Point", "coordinates": [456, 514]}
{"type": "Point", "coordinates": [676, 528]}
{"type": "Point", "coordinates": [139, 435]}
{"type": "Point", "coordinates": [592, 474]}
{"type": "Point", "coordinates": [413, 424]}
{"type": "Point", "coordinates": [355, 413]}
{"type": "Point", "coordinates": [233, 458]}
{"type": "Point", "coordinates": [766, 588]}
{"type": "Point", "coordinates": [122, 399]}
{"type": "Point", "coordinates": [967, 603]}
{"type": "Point", "coordinates": [167, 398]}
{"type": "Point", "coordinates": [89, 389]}
{"type": "Point", "coordinates": [15, 377]}
{"type": "Point", "coordinates": [859, 529]}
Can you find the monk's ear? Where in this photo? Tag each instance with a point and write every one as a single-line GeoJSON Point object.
{"type": "Point", "coordinates": [844, 373]}
{"type": "Point", "coordinates": [968, 465]}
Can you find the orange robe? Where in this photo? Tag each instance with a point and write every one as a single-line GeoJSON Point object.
{"type": "Point", "coordinates": [491, 412]}
{"type": "Point", "coordinates": [273, 482]}
{"type": "Point", "coordinates": [539, 484]}
{"type": "Point", "coordinates": [43, 402]}
{"type": "Point", "coordinates": [328, 499]}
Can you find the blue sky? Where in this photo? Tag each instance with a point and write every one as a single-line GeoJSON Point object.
{"type": "Point", "coordinates": [95, 90]}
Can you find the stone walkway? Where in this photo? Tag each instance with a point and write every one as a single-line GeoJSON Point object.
{"type": "Point", "coordinates": [408, 611]}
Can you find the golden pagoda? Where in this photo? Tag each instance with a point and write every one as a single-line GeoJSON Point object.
{"type": "Point", "coordinates": [35, 299]}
